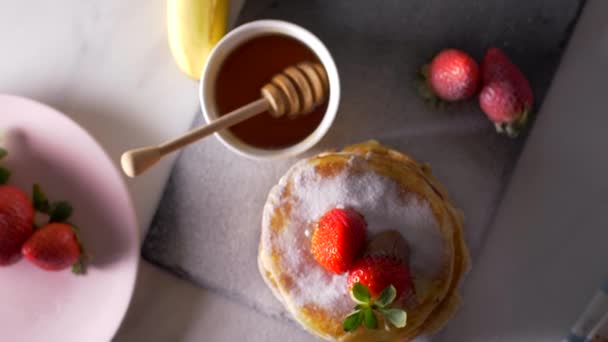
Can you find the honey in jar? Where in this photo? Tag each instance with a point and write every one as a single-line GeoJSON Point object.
{"type": "Point", "coordinates": [241, 76]}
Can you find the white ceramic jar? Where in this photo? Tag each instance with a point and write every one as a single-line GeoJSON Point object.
{"type": "Point", "coordinates": [243, 34]}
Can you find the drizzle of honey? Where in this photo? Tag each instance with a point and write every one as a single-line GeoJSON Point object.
{"type": "Point", "coordinates": [241, 76]}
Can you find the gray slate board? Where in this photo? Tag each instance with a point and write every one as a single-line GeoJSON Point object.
{"type": "Point", "coordinates": [207, 225]}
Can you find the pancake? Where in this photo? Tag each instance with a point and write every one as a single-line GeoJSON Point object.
{"type": "Point", "coordinates": [392, 192]}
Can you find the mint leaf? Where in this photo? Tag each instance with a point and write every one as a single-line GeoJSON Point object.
{"type": "Point", "coordinates": [353, 321]}
{"type": "Point", "coordinates": [3, 153]}
{"type": "Point", "coordinates": [4, 175]}
{"type": "Point", "coordinates": [369, 318]}
{"type": "Point", "coordinates": [41, 202]}
{"type": "Point", "coordinates": [397, 317]}
{"type": "Point", "coordinates": [60, 211]}
{"type": "Point", "coordinates": [386, 297]}
{"type": "Point", "coordinates": [360, 294]}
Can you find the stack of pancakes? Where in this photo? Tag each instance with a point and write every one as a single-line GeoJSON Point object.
{"type": "Point", "coordinates": [392, 192]}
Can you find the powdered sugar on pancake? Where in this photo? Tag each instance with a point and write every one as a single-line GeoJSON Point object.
{"type": "Point", "coordinates": [384, 207]}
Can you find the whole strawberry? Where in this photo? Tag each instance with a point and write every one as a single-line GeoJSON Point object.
{"type": "Point", "coordinates": [374, 283]}
{"type": "Point", "coordinates": [506, 96]}
{"type": "Point", "coordinates": [16, 222]}
{"type": "Point", "coordinates": [54, 247]}
{"type": "Point", "coordinates": [338, 239]}
{"type": "Point", "coordinates": [379, 272]}
{"type": "Point", "coordinates": [452, 75]}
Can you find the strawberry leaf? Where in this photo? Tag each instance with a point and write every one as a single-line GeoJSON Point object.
{"type": "Point", "coordinates": [369, 318]}
{"type": "Point", "coordinates": [60, 211]}
{"type": "Point", "coordinates": [386, 297]}
{"type": "Point", "coordinates": [422, 84]}
{"type": "Point", "coordinates": [79, 267]}
{"type": "Point", "coordinates": [41, 202]}
{"type": "Point", "coordinates": [397, 317]}
{"type": "Point", "coordinates": [513, 129]}
{"type": "Point", "coordinates": [4, 175]}
{"type": "Point", "coordinates": [360, 294]}
{"type": "Point", "coordinates": [353, 321]}
{"type": "Point", "coordinates": [76, 231]}
{"type": "Point", "coordinates": [424, 88]}
{"type": "Point", "coordinates": [3, 153]}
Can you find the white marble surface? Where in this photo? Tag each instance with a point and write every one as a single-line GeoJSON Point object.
{"type": "Point", "coordinates": [107, 65]}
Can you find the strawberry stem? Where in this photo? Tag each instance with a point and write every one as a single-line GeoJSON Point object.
{"type": "Point", "coordinates": [60, 211]}
{"type": "Point", "coordinates": [513, 129]}
{"type": "Point", "coordinates": [79, 267]}
{"type": "Point", "coordinates": [41, 202]}
{"type": "Point", "coordinates": [4, 175]}
{"type": "Point", "coordinates": [424, 88]}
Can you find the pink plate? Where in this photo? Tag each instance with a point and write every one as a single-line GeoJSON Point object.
{"type": "Point", "coordinates": [46, 147]}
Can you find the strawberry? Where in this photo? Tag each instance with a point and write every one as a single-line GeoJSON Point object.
{"type": "Point", "coordinates": [506, 96]}
{"type": "Point", "coordinates": [54, 247]}
{"type": "Point", "coordinates": [338, 238]}
{"type": "Point", "coordinates": [374, 283]}
{"type": "Point", "coordinates": [16, 222]}
{"type": "Point", "coordinates": [379, 272]}
{"type": "Point", "coordinates": [452, 75]}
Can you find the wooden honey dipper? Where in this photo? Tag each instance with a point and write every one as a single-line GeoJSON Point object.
{"type": "Point", "coordinates": [294, 92]}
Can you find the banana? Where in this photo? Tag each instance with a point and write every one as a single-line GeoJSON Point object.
{"type": "Point", "coordinates": [194, 27]}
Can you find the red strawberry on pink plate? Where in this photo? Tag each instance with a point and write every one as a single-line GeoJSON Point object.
{"type": "Point", "coordinates": [16, 222]}
{"type": "Point", "coordinates": [46, 147]}
{"type": "Point", "coordinates": [55, 247]}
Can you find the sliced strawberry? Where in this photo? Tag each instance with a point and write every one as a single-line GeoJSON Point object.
{"type": "Point", "coordinates": [16, 222]}
{"type": "Point", "coordinates": [53, 247]}
{"type": "Point", "coordinates": [338, 239]}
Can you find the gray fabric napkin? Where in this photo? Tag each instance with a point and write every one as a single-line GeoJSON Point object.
{"type": "Point", "coordinates": [208, 222]}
